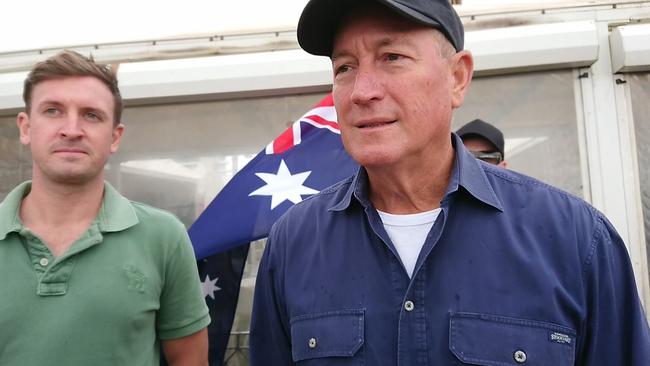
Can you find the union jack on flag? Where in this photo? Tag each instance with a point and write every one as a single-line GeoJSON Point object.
{"type": "Point", "coordinates": [323, 115]}
{"type": "Point", "coordinates": [307, 157]}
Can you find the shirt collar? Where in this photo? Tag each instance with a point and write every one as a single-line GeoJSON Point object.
{"type": "Point", "coordinates": [358, 187]}
{"type": "Point", "coordinates": [10, 207]}
{"type": "Point", "coordinates": [116, 213]}
{"type": "Point", "coordinates": [467, 172]}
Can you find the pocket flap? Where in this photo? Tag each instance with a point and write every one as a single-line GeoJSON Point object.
{"type": "Point", "coordinates": [330, 334]}
{"type": "Point", "coordinates": [491, 340]}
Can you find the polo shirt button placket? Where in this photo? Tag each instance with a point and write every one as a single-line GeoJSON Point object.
{"type": "Point", "coordinates": [44, 262]}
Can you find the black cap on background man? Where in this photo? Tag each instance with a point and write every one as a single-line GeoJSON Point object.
{"type": "Point", "coordinates": [484, 141]}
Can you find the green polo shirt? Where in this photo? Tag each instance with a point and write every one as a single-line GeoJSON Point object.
{"type": "Point", "coordinates": [127, 282]}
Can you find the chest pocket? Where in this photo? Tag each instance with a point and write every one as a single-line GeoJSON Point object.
{"type": "Point", "coordinates": [338, 334]}
{"type": "Point", "coordinates": [490, 340]}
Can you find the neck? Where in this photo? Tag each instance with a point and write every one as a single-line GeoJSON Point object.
{"type": "Point", "coordinates": [59, 205]}
{"type": "Point", "coordinates": [411, 187]}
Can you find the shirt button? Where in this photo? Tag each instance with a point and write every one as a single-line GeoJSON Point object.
{"type": "Point", "coordinates": [44, 262]}
{"type": "Point", "coordinates": [408, 306]}
{"type": "Point", "coordinates": [312, 342]}
{"type": "Point", "coordinates": [520, 356]}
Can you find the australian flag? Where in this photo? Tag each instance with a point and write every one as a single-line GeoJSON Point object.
{"type": "Point", "coordinates": [303, 160]}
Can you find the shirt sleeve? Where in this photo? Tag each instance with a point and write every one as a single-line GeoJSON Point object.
{"type": "Point", "coordinates": [616, 328]}
{"type": "Point", "coordinates": [270, 332]}
{"type": "Point", "coordinates": [183, 310]}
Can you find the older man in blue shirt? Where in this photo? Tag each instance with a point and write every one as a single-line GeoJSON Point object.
{"type": "Point", "coordinates": [428, 256]}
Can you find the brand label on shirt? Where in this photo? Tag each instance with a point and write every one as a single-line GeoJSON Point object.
{"type": "Point", "coordinates": [560, 338]}
{"type": "Point", "coordinates": [136, 278]}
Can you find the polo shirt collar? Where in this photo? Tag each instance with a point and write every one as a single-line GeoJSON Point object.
{"type": "Point", "coordinates": [116, 213]}
{"type": "Point", "coordinates": [10, 207]}
{"type": "Point", "coordinates": [467, 172]}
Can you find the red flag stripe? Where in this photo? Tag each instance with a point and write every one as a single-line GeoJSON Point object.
{"type": "Point", "coordinates": [322, 115]}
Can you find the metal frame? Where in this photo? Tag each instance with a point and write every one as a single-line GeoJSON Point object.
{"type": "Point", "coordinates": [497, 51]}
{"type": "Point", "coordinates": [631, 181]}
{"type": "Point", "coordinates": [611, 156]}
{"type": "Point", "coordinates": [630, 50]}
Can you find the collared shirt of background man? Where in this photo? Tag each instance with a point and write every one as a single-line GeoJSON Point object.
{"type": "Point", "coordinates": [89, 277]}
{"type": "Point", "coordinates": [484, 141]}
{"type": "Point", "coordinates": [428, 256]}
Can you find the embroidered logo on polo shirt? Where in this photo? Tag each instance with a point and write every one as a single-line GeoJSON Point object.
{"type": "Point", "coordinates": [560, 338]}
{"type": "Point", "coordinates": [135, 277]}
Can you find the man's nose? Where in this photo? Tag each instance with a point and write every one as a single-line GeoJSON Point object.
{"type": "Point", "coordinates": [72, 127]}
{"type": "Point", "coordinates": [367, 86]}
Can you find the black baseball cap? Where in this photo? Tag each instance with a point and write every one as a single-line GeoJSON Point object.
{"type": "Point", "coordinates": [482, 129]}
{"type": "Point", "coordinates": [320, 20]}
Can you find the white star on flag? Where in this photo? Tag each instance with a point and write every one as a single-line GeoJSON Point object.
{"type": "Point", "coordinates": [283, 186]}
{"type": "Point", "coordinates": [210, 286]}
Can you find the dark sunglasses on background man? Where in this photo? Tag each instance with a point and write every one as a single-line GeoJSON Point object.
{"type": "Point", "coordinates": [488, 157]}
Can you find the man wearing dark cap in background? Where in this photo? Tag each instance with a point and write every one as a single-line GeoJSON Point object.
{"type": "Point", "coordinates": [427, 256]}
{"type": "Point", "coordinates": [484, 141]}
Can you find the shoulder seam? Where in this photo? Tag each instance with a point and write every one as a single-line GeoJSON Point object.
{"type": "Point", "coordinates": [152, 208]}
{"type": "Point", "coordinates": [598, 231]}
{"type": "Point", "coordinates": [593, 245]}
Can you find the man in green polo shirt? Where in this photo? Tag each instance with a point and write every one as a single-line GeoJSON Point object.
{"type": "Point", "coordinates": [86, 276]}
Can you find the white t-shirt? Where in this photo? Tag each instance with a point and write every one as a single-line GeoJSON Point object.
{"type": "Point", "coordinates": [408, 233]}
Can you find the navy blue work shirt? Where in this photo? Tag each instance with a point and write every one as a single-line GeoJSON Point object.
{"type": "Point", "coordinates": [513, 272]}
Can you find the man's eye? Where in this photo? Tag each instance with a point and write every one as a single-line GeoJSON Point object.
{"type": "Point", "coordinates": [92, 116]}
{"type": "Point", "coordinates": [393, 57]}
{"type": "Point", "coordinates": [341, 69]}
{"type": "Point", "coordinates": [52, 112]}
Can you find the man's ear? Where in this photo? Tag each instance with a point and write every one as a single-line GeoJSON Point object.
{"type": "Point", "coordinates": [462, 67]}
{"type": "Point", "coordinates": [118, 131]}
{"type": "Point", "coordinates": [22, 120]}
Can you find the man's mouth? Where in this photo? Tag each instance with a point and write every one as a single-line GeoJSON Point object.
{"type": "Point", "coordinates": [70, 150]}
{"type": "Point", "coordinates": [375, 124]}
